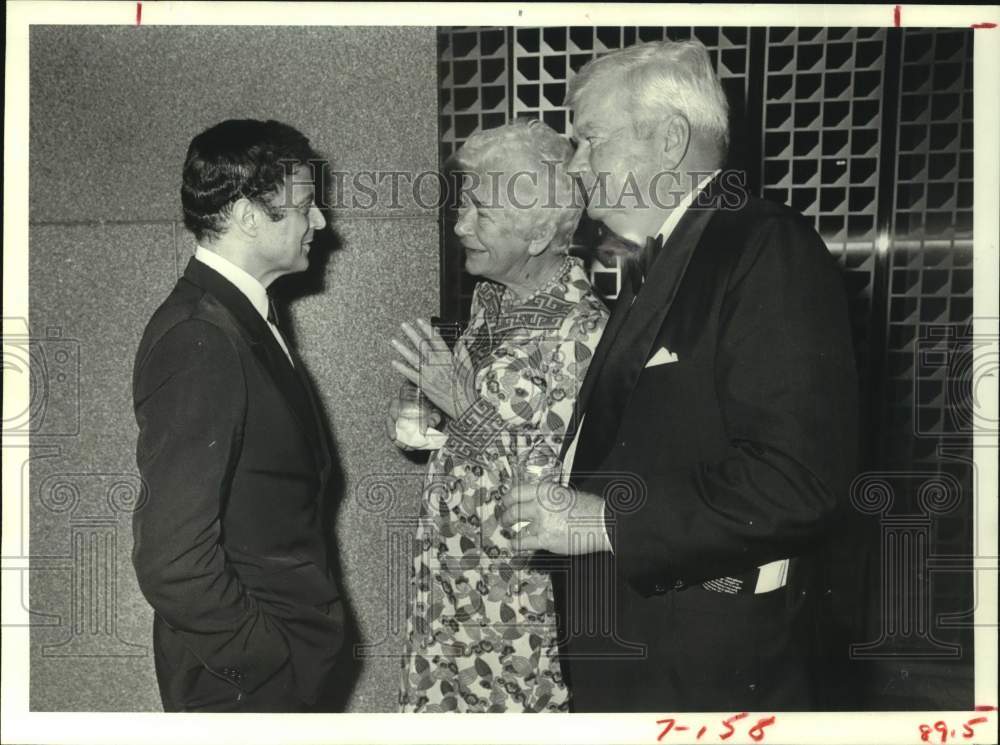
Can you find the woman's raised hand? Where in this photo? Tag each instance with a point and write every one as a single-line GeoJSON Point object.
{"type": "Point", "coordinates": [428, 364]}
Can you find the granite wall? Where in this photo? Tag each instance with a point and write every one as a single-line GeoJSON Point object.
{"type": "Point", "coordinates": [112, 111]}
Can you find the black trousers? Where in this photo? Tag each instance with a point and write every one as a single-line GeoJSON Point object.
{"type": "Point", "coordinates": [697, 650]}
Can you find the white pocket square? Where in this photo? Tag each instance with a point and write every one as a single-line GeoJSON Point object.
{"type": "Point", "coordinates": [663, 356]}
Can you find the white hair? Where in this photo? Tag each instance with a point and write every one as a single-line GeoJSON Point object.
{"type": "Point", "coordinates": [661, 78]}
{"type": "Point", "coordinates": [532, 146]}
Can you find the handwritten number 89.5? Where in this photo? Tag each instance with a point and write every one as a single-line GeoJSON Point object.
{"type": "Point", "coordinates": [941, 728]}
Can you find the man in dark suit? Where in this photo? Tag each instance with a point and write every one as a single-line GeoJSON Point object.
{"type": "Point", "coordinates": [718, 437]}
{"type": "Point", "coordinates": [229, 548]}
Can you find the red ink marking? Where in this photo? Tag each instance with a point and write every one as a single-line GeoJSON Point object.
{"type": "Point", "coordinates": [701, 731]}
{"type": "Point", "coordinates": [757, 731]}
{"type": "Point", "coordinates": [897, 12]}
{"type": "Point", "coordinates": [985, 708]}
{"type": "Point", "coordinates": [942, 729]}
{"type": "Point", "coordinates": [728, 724]}
{"type": "Point", "coordinates": [138, 14]}
{"type": "Point", "coordinates": [681, 728]}
{"type": "Point", "coordinates": [670, 725]}
{"type": "Point", "coordinates": [988, 24]}
{"type": "Point", "coordinates": [967, 727]}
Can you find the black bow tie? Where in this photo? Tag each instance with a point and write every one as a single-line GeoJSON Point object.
{"type": "Point", "coordinates": [637, 259]}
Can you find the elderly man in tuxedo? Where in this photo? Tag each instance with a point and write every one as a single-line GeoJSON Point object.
{"type": "Point", "coordinates": [718, 428]}
{"type": "Point", "coordinates": [229, 548]}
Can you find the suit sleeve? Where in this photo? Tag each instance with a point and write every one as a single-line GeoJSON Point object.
{"type": "Point", "coordinates": [190, 402]}
{"type": "Point", "coordinates": [786, 385]}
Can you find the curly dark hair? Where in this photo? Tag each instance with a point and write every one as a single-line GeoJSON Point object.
{"type": "Point", "coordinates": [238, 158]}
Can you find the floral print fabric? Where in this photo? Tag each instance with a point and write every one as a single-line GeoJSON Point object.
{"type": "Point", "coordinates": [481, 634]}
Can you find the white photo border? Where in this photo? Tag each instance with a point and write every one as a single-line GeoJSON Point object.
{"type": "Point", "coordinates": [23, 726]}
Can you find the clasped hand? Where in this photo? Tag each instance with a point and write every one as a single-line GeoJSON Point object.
{"type": "Point", "coordinates": [555, 518]}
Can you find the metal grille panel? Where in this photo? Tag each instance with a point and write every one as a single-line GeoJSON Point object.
{"type": "Point", "coordinates": [473, 83]}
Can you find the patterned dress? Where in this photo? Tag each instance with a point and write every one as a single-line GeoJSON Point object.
{"type": "Point", "coordinates": [481, 634]}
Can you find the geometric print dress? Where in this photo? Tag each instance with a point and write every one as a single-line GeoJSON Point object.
{"type": "Point", "coordinates": [481, 632]}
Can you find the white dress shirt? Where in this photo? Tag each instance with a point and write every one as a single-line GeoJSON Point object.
{"type": "Point", "coordinates": [675, 217]}
{"type": "Point", "coordinates": [665, 230]}
{"type": "Point", "coordinates": [255, 292]}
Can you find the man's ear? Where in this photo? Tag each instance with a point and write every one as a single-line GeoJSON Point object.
{"type": "Point", "coordinates": [675, 133]}
{"type": "Point", "coordinates": [542, 238]}
{"type": "Point", "coordinates": [244, 217]}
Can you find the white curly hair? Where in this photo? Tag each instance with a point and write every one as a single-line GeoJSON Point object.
{"type": "Point", "coordinates": [529, 146]}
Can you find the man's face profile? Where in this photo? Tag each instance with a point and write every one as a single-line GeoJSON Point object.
{"type": "Point", "coordinates": [614, 167]}
{"type": "Point", "coordinates": [284, 244]}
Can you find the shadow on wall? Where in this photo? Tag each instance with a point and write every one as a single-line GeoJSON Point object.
{"type": "Point", "coordinates": [341, 688]}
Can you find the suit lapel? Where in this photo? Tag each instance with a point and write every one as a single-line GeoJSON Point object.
{"type": "Point", "coordinates": [629, 336]}
{"type": "Point", "coordinates": [321, 441]}
{"type": "Point", "coordinates": [264, 347]}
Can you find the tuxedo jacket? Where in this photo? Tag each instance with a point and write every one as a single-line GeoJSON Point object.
{"type": "Point", "coordinates": [735, 452]}
{"type": "Point", "coordinates": [229, 547]}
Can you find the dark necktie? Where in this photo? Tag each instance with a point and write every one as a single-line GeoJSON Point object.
{"type": "Point", "coordinates": [272, 318]}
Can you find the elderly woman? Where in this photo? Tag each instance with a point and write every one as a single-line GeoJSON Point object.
{"type": "Point", "coordinates": [482, 631]}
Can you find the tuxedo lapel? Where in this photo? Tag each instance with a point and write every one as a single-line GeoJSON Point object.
{"type": "Point", "coordinates": [263, 345]}
{"type": "Point", "coordinates": [632, 346]}
{"type": "Point", "coordinates": [611, 330]}
{"type": "Point", "coordinates": [622, 353]}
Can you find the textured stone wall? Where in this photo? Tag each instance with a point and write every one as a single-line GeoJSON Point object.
{"type": "Point", "coordinates": [112, 111]}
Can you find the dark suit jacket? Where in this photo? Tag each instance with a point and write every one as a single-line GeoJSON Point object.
{"type": "Point", "coordinates": [737, 454]}
{"type": "Point", "coordinates": [229, 548]}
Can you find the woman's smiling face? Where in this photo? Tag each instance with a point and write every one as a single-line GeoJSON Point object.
{"type": "Point", "coordinates": [492, 230]}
